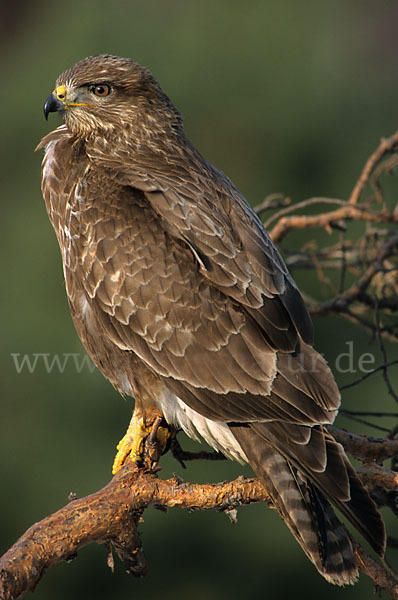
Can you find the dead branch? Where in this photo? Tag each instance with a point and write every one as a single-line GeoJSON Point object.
{"type": "Point", "coordinates": [381, 367]}
{"type": "Point", "coordinates": [355, 291]}
{"type": "Point", "coordinates": [373, 475]}
{"type": "Point", "coordinates": [385, 146]}
{"type": "Point", "coordinates": [112, 515]}
{"type": "Point", "coordinates": [348, 212]}
{"type": "Point", "coordinates": [363, 447]}
{"type": "Point", "coordinates": [380, 575]}
{"type": "Point", "coordinates": [351, 210]}
{"type": "Point", "coordinates": [366, 267]}
{"type": "Point", "coordinates": [387, 332]}
{"type": "Point", "coordinates": [295, 207]}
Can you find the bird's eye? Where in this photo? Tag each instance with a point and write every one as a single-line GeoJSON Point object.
{"type": "Point", "coordinates": [101, 90]}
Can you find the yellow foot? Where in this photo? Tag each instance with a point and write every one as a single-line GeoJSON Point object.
{"type": "Point", "coordinates": [132, 444]}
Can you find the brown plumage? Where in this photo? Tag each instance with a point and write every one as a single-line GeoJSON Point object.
{"type": "Point", "coordinates": [182, 301]}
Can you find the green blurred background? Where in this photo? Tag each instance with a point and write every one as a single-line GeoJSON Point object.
{"type": "Point", "coordinates": [284, 96]}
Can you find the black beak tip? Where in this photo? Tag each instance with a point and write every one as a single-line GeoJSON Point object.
{"type": "Point", "coordinates": [52, 104]}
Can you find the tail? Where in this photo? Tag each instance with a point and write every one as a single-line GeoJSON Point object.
{"type": "Point", "coordinates": [304, 506]}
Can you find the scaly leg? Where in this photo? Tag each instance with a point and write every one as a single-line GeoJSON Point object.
{"type": "Point", "coordinates": [132, 444]}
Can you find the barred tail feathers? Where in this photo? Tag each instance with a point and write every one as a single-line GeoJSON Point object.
{"type": "Point", "coordinates": [305, 511]}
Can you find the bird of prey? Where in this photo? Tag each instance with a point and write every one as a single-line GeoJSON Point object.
{"type": "Point", "coordinates": [183, 302]}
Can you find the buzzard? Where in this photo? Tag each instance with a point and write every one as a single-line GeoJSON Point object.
{"type": "Point", "coordinates": [183, 302]}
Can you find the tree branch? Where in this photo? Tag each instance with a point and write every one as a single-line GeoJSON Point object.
{"type": "Point", "coordinates": [355, 291]}
{"type": "Point", "coordinates": [373, 475]}
{"type": "Point", "coordinates": [112, 515]}
{"type": "Point", "coordinates": [363, 447]}
{"type": "Point", "coordinates": [385, 146]}
{"type": "Point", "coordinates": [381, 576]}
{"type": "Point", "coordinates": [350, 210]}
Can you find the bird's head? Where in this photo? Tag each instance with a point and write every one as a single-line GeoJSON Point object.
{"type": "Point", "coordinates": [103, 93]}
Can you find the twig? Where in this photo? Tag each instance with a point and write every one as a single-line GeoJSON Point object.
{"type": "Point", "coordinates": [303, 204]}
{"type": "Point", "coordinates": [368, 413]}
{"type": "Point", "coordinates": [357, 419]}
{"type": "Point", "coordinates": [392, 542]}
{"type": "Point", "coordinates": [271, 201]}
{"type": "Point", "coordinates": [387, 332]}
{"type": "Point", "coordinates": [388, 303]}
{"type": "Point", "coordinates": [383, 351]}
{"type": "Point", "coordinates": [183, 455]}
{"type": "Point", "coordinates": [343, 270]}
{"type": "Point", "coordinates": [349, 212]}
{"type": "Point", "coordinates": [368, 374]}
{"type": "Point", "coordinates": [339, 303]}
{"type": "Point", "coordinates": [386, 145]}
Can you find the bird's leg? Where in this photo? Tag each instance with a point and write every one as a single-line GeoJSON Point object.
{"type": "Point", "coordinates": [143, 441]}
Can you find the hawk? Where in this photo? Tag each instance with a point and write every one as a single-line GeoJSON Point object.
{"type": "Point", "coordinates": [183, 302]}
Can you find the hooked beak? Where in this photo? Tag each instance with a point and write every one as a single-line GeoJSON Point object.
{"type": "Point", "coordinates": [59, 100]}
{"type": "Point", "coordinates": [52, 104]}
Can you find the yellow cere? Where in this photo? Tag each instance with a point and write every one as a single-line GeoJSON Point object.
{"type": "Point", "coordinates": [60, 92]}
